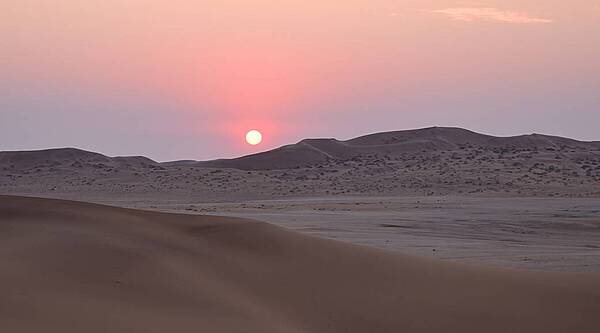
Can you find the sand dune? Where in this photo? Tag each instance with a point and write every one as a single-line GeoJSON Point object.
{"type": "Point", "coordinates": [434, 161]}
{"type": "Point", "coordinates": [66, 157]}
{"type": "Point", "coordinates": [310, 152]}
{"type": "Point", "coordinates": [395, 144]}
{"type": "Point", "coordinates": [78, 267]}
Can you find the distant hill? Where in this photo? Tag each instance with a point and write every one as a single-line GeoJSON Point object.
{"type": "Point", "coordinates": [429, 161]}
{"type": "Point", "coordinates": [391, 144]}
{"type": "Point", "coordinates": [67, 157]}
{"type": "Point", "coordinates": [310, 152]}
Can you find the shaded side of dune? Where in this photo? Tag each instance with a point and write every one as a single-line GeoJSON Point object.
{"type": "Point", "coordinates": [77, 267]}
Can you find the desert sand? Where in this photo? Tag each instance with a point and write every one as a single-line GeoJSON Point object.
{"type": "Point", "coordinates": [528, 202]}
{"type": "Point", "coordinates": [79, 267]}
{"type": "Point", "coordinates": [435, 161]}
{"type": "Point", "coordinates": [549, 234]}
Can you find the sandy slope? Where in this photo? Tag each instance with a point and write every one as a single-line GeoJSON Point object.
{"type": "Point", "coordinates": [76, 267]}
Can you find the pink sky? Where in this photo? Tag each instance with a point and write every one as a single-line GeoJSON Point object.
{"type": "Point", "coordinates": [185, 80]}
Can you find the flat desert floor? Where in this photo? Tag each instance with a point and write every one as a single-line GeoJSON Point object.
{"type": "Point", "coordinates": [555, 234]}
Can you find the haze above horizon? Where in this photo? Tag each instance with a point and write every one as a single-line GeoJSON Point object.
{"type": "Point", "coordinates": [176, 80]}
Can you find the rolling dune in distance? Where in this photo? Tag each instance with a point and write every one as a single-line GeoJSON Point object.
{"type": "Point", "coordinates": [79, 267]}
{"type": "Point", "coordinates": [430, 161]}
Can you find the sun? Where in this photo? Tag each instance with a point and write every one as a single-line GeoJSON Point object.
{"type": "Point", "coordinates": [253, 137]}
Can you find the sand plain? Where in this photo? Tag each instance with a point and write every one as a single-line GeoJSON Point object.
{"type": "Point", "coordinates": [552, 234]}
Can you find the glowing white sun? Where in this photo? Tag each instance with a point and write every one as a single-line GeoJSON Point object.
{"type": "Point", "coordinates": [253, 137]}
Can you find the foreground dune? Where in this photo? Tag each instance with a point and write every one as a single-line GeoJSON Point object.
{"type": "Point", "coordinates": [77, 267]}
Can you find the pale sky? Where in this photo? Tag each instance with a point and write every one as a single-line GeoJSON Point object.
{"type": "Point", "coordinates": [182, 79]}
